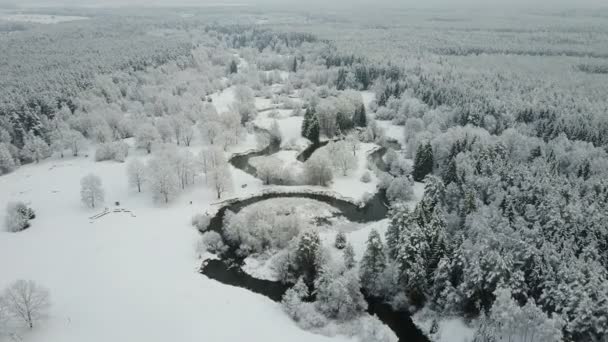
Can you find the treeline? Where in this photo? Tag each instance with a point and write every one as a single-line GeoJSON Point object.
{"type": "Point", "coordinates": [45, 67]}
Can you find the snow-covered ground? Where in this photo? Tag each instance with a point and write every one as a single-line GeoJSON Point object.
{"type": "Point", "coordinates": [124, 277]}
{"type": "Point", "coordinates": [39, 18]}
{"type": "Point", "coordinates": [450, 329]}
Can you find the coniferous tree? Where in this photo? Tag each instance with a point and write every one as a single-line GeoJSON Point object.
{"type": "Point", "coordinates": [401, 218]}
{"type": "Point", "coordinates": [340, 242]}
{"type": "Point", "coordinates": [309, 246]}
{"type": "Point", "coordinates": [314, 130]}
{"type": "Point", "coordinates": [308, 115]}
{"type": "Point", "coordinates": [341, 80]}
{"type": "Point", "coordinates": [423, 163]}
{"type": "Point", "coordinates": [349, 256]}
{"type": "Point", "coordinates": [373, 263]}
{"type": "Point", "coordinates": [234, 68]}
{"type": "Point", "coordinates": [294, 65]}
{"type": "Point", "coordinates": [360, 117]}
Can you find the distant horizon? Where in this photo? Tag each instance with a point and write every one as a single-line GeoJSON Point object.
{"type": "Point", "coordinates": [429, 4]}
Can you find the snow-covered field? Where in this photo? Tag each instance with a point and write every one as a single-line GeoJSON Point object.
{"type": "Point", "coordinates": [124, 277]}
{"type": "Point", "coordinates": [39, 18]}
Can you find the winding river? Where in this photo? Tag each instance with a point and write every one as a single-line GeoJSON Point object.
{"type": "Point", "coordinates": [229, 271]}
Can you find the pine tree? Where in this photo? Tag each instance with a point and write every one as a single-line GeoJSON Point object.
{"type": "Point", "coordinates": [310, 112]}
{"type": "Point", "coordinates": [294, 65]}
{"type": "Point", "coordinates": [307, 253]}
{"type": "Point", "coordinates": [340, 242]}
{"type": "Point", "coordinates": [451, 173]}
{"type": "Point", "coordinates": [423, 163]}
{"type": "Point", "coordinates": [314, 130]}
{"type": "Point", "coordinates": [360, 117]}
{"type": "Point", "coordinates": [234, 68]}
{"type": "Point", "coordinates": [341, 80]}
{"type": "Point", "coordinates": [293, 298]}
{"type": "Point", "coordinates": [349, 256]}
{"type": "Point", "coordinates": [372, 263]}
{"type": "Point", "coordinates": [401, 218]}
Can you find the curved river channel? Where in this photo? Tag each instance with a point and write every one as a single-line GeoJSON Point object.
{"type": "Point", "coordinates": [228, 271]}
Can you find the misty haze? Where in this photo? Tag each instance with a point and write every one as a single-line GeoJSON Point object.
{"type": "Point", "coordinates": [304, 171]}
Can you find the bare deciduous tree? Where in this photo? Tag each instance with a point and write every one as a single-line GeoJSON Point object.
{"type": "Point", "coordinates": [136, 171]}
{"type": "Point", "coordinates": [27, 301]}
{"type": "Point", "coordinates": [91, 191]}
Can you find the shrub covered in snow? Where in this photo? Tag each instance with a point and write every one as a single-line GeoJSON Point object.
{"type": "Point", "coordinates": [400, 190]}
{"type": "Point", "coordinates": [117, 151]}
{"type": "Point", "coordinates": [201, 221]}
{"type": "Point", "coordinates": [212, 242]}
{"type": "Point", "coordinates": [18, 216]}
{"type": "Point", "coordinates": [340, 242]}
{"type": "Point", "coordinates": [366, 177]}
{"type": "Point", "coordinates": [339, 295]}
{"type": "Point", "coordinates": [259, 229]}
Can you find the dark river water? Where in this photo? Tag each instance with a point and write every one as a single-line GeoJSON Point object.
{"type": "Point", "coordinates": [229, 271]}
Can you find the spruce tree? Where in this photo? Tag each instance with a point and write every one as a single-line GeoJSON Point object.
{"type": "Point", "coordinates": [294, 65]}
{"type": "Point", "coordinates": [234, 68]}
{"type": "Point", "coordinates": [373, 262]}
{"type": "Point", "coordinates": [307, 251]}
{"type": "Point", "coordinates": [401, 217]}
{"type": "Point", "coordinates": [360, 117]}
{"type": "Point", "coordinates": [341, 80]}
{"type": "Point", "coordinates": [349, 256]}
{"type": "Point", "coordinates": [314, 130]}
{"type": "Point", "coordinates": [307, 119]}
{"type": "Point", "coordinates": [423, 163]}
{"type": "Point", "coordinates": [340, 242]}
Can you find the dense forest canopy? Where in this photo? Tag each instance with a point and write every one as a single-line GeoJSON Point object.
{"type": "Point", "coordinates": [504, 116]}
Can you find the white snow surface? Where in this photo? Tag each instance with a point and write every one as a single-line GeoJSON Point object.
{"type": "Point", "coordinates": [451, 329]}
{"type": "Point", "coordinates": [124, 277]}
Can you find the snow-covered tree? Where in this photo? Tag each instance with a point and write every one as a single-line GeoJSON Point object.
{"type": "Point", "coordinates": [317, 169]}
{"type": "Point", "coordinates": [7, 163]}
{"type": "Point", "coordinates": [509, 321]}
{"type": "Point", "coordinates": [339, 295]}
{"type": "Point", "coordinates": [400, 190]}
{"type": "Point", "coordinates": [136, 173]}
{"type": "Point", "coordinates": [161, 178]}
{"type": "Point", "coordinates": [244, 103]}
{"type": "Point", "coordinates": [275, 132]}
{"type": "Point", "coordinates": [91, 191]}
{"type": "Point", "coordinates": [221, 179]}
{"type": "Point", "coordinates": [146, 136]}
{"type": "Point", "coordinates": [340, 241]}
{"type": "Point", "coordinates": [27, 301]}
{"type": "Point", "coordinates": [212, 242]}
{"type": "Point", "coordinates": [74, 141]}
{"type": "Point", "coordinates": [349, 256]}
{"type": "Point", "coordinates": [372, 263]}
{"type": "Point", "coordinates": [210, 130]}
{"type": "Point", "coordinates": [352, 141]}
{"type": "Point", "coordinates": [360, 116]}
{"type": "Point", "coordinates": [18, 216]}
{"type": "Point", "coordinates": [35, 149]}
{"type": "Point", "coordinates": [116, 150]}
{"type": "Point", "coordinates": [341, 157]}
{"type": "Point", "coordinates": [269, 169]}
{"type": "Point", "coordinates": [307, 254]}
{"type": "Point", "coordinates": [423, 163]}
{"type": "Point", "coordinates": [201, 221]}
{"type": "Point", "coordinates": [294, 298]}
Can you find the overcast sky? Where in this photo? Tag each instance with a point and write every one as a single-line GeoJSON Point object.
{"type": "Point", "coordinates": [317, 3]}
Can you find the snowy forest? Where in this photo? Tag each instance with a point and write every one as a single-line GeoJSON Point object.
{"type": "Point", "coordinates": [354, 175]}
